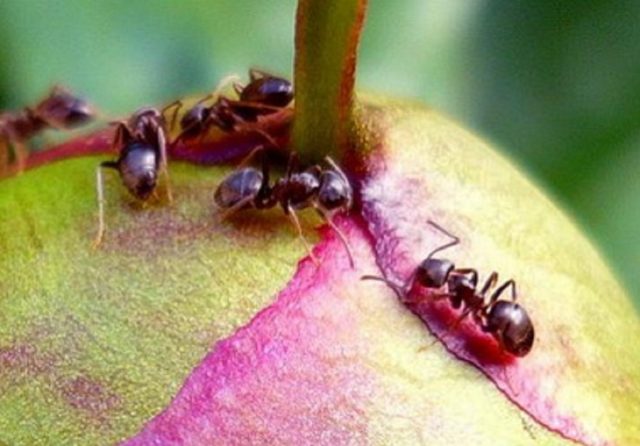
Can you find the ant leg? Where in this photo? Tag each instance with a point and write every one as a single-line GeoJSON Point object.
{"type": "Point", "coordinates": [164, 169]}
{"type": "Point", "coordinates": [21, 154]}
{"type": "Point", "coordinates": [100, 194]}
{"type": "Point", "coordinates": [401, 291]}
{"type": "Point", "coordinates": [272, 142]}
{"type": "Point", "coordinates": [176, 105]}
{"type": "Point", "coordinates": [292, 164]}
{"type": "Point", "coordinates": [226, 81]}
{"type": "Point", "coordinates": [455, 324]}
{"type": "Point", "coordinates": [454, 239]}
{"type": "Point", "coordinates": [247, 160]}
{"type": "Point", "coordinates": [256, 106]}
{"type": "Point", "coordinates": [340, 234]}
{"type": "Point", "coordinates": [122, 135]}
{"type": "Point", "coordinates": [337, 168]}
{"type": "Point", "coordinates": [238, 88]}
{"type": "Point", "coordinates": [465, 271]}
{"type": "Point", "coordinates": [496, 294]}
{"type": "Point", "coordinates": [228, 212]}
{"type": "Point", "coordinates": [255, 74]}
{"type": "Point", "coordinates": [489, 283]}
{"type": "Point", "coordinates": [294, 219]}
{"type": "Point", "coordinates": [230, 79]}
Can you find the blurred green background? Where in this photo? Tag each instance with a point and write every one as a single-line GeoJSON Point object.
{"type": "Point", "coordinates": [556, 84]}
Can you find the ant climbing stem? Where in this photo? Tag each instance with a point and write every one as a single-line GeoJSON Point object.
{"type": "Point", "coordinates": [505, 320]}
{"type": "Point", "coordinates": [141, 144]}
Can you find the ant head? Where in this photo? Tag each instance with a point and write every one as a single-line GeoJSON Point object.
{"type": "Point", "coordinates": [138, 167]}
{"type": "Point", "coordinates": [335, 192]}
{"type": "Point", "coordinates": [145, 185]}
{"type": "Point", "coordinates": [242, 185]}
{"type": "Point", "coordinates": [268, 90]}
{"type": "Point", "coordinates": [63, 109]}
{"type": "Point", "coordinates": [433, 273]}
{"type": "Point", "coordinates": [510, 324]}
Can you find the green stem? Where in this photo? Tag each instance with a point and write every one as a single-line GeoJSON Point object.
{"type": "Point", "coordinates": [327, 36]}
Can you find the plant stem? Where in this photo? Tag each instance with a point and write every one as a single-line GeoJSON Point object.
{"type": "Point", "coordinates": [327, 36]}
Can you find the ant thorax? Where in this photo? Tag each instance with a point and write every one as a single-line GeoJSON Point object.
{"type": "Point", "coordinates": [297, 190]}
{"type": "Point", "coordinates": [272, 91]}
{"type": "Point", "coordinates": [192, 122]}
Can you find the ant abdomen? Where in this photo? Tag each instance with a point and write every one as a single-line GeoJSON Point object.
{"type": "Point", "coordinates": [242, 185]}
{"type": "Point", "coordinates": [268, 90]}
{"type": "Point", "coordinates": [510, 324]}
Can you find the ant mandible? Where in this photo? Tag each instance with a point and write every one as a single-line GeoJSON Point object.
{"type": "Point", "coordinates": [506, 320]}
{"type": "Point", "coordinates": [326, 190]}
{"type": "Point", "coordinates": [60, 110]}
{"type": "Point", "coordinates": [141, 144]}
{"type": "Point", "coordinates": [265, 94]}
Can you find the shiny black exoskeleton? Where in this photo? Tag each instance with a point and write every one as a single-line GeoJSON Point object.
{"type": "Point", "coordinates": [141, 144]}
{"type": "Point", "coordinates": [266, 89]}
{"type": "Point", "coordinates": [326, 190]}
{"type": "Point", "coordinates": [60, 110]}
{"type": "Point", "coordinates": [265, 94]}
{"type": "Point", "coordinates": [506, 320]}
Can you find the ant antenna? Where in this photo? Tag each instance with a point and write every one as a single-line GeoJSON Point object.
{"type": "Point", "coordinates": [394, 286]}
{"type": "Point", "coordinates": [338, 231]}
{"type": "Point", "coordinates": [294, 219]}
{"type": "Point", "coordinates": [176, 105]}
{"type": "Point", "coordinates": [454, 239]}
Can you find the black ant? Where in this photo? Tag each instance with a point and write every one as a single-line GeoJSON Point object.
{"type": "Point", "coordinates": [265, 94]}
{"type": "Point", "coordinates": [141, 144]}
{"type": "Point", "coordinates": [326, 190]}
{"type": "Point", "coordinates": [506, 320]}
{"type": "Point", "coordinates": [60, 110]}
